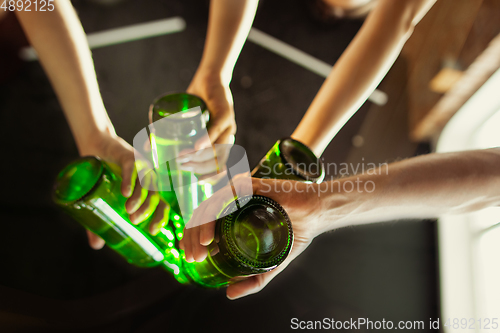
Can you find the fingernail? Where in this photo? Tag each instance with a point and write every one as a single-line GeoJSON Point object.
{"type": "Point", "coordinates": [159, 226]}
{"type": "Point", "coordinates": [131, 207]}
{"type": "Point", "coordinates": [156, 230]}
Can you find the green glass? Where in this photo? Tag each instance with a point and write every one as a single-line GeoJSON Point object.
{"type": "Point", "coordinates": [226, 262]}
{"type": "Point", "coordinates": [252, 239]}
{"type": "Point", "coordinates": [89, 191]}
{"type": "Point", "coordinates": [170, 139]}
{"type": "Point", "coordinates": [290, 159]}
{"type": "Point", "coordinates": [254, 234]}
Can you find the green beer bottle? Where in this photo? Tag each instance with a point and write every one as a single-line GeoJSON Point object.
{"type": "Point", "coordinates": [253, 236]}
{"type": "Point", "coordinates": [290, 159]}
{"type": "Point", "coordinates": [89, 191]}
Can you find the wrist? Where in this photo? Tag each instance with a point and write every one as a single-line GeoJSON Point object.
{"type": "Point", "coordinates": [309, 140]}
{"type": "Point", "coordinates": [347, 201]}
{"type": "Point", "coordinates": [89, 123]}
{"type": "Point", "coordinates": [213, 74]}
{"type": "Point", "coordinates": [95, 140]}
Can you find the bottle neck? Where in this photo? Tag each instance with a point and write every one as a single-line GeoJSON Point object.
{"type": "Point", "coordinates": [290, 159]}
{"type": "Point", "coordinates": [178, 117]}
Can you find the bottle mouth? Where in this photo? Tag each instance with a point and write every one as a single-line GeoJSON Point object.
{"type": "Point", "coordinates": [179, 106]}
{"type": "Point", "coordinates": [259, 234]}
{"type": "Point", "coordinates": [301, 159]}
{"type": "Point", "coordinates": [77, 179]}
{"type": "Point", "coordinates": [178, 116]}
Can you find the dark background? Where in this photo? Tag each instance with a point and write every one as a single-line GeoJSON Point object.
{"type": "Point", "coordinates": [51, 280]}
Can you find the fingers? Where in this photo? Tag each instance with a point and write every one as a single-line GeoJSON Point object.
{"type": "Point", "coordinates": [209, 210]}
{"type": "Point", "coordinates": [219, 130]}
{"type": "Point", "coordinates": [212, 178]}
{"type": "Point", "coordinates": [129, 176]}
{"type": "Point", "coordinates": [227, 137]}
{"type": "Point", "coordinates": [199, 252]}
{"type": "Point", "coordinates": [185, 244]}
{"type": "Point", "coordinates": [254, 284]}
{"type": "Point", "coordinates": [146, 209]}
{"type": "Point", "coordinates": [221, 120]}
{"type": "Point", "coordinates": [200, 230]}
{"type": "Point", "coordinates": [204, 142]}
{"type": "Point", "coordinates": [95, 241]}
{"type": "Point", "coordinates": [190, 243]}
{"type": "Point", "coordinates": [147, 146]}
{"type": "Point", "coordinates": [207, 232]}
{"type": "Point", "coordinates": [193, 244]}
{"type": "Point", "coordinates": [160, 218]}
{"type": "Point", "coordinates": [202, 168]}
{"type": "Point", "coordinates": [137, 198]}
{"type": "Point", "coordinates": [208, 160]}
{"type": "Point", "coordinates": [249, 286]}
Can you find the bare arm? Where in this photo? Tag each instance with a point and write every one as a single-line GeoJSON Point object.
{"type": "Point", "coordinates": [62, 48]}
{"type": "Point", "coordinates": [420, 187]}
{"type": "Point", "coordinates": [61, 44]}
{"type": "Point", "coordinates": [359, 70]}
{"type": "Point", "coordinates": [228, 27]}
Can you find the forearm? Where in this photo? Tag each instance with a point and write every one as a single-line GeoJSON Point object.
{"type": "Point", "coordinates": [62, 48]}
{"type": "Point", "coordinates": [421, 187]}
{"type": "Point", "coordinates": [229, 24]}
{"type": "Point", "coordinates": [359, 70]}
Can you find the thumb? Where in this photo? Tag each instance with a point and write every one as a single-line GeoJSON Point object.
{"type": "Point", "coordinates": [95, 241]}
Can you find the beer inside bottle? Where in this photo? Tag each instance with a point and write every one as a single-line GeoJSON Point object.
{"type": "Point", "coordinates": [254, 235]}
{"type": "Point", "coordinates": [290, 159]}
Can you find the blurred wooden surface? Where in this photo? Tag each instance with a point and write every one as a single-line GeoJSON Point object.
{"type": "Point", "coordinates": [453, 34]}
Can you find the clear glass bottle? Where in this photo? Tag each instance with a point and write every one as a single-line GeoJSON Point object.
{"type": "Point", "coordinates": [177, 121]}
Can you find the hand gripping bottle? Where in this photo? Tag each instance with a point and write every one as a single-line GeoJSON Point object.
{"type": "Point", "coordinates": [256, 235]}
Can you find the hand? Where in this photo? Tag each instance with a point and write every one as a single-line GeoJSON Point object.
{"type": "Point", "coordinates": [219, 100]}
{"type": "Point", "coordinates": [209, 163]}
{"type": "Point", "coordinates": [302, 205]}
{"type": "Point", "coordinates": [141, 203]}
